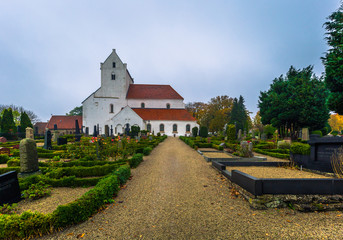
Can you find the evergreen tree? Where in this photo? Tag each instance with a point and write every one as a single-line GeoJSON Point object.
{"type": "Point", "coordinates": [333, 60]}
{"type": "Point", "coordinates": [295, 101]}
{"type": "Point", "coordinates": [7, 122]}
{"type": "Point", "coordinates": [25, 122]}
{"type": "Point", "coordinates": [239, 115]}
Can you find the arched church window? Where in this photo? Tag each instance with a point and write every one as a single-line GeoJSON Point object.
{"type": "Point", "coordinates": [113, 76]}
{"type": "Point", "coordinates": [148, 127]}
{"type": "Point", "coordinates": [175, 128]}
{"type": "Point", "coordinates": [168, 106]}
{"type": "Point", "coordinates": [161, 127]}
{"type": "Point", "coordinates": [188, 128]}
{"type": "Point", "coordinates": [142, 105]}
{"type": "Point", "coordinates": [111, 108]}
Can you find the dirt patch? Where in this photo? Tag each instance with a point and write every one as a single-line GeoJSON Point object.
{"type": "Point", "coordinates": [275, 172]}
{"type": "Point", "coordinates": [59, 196]}
{"type": "Point", "coordinates": [216, 155]}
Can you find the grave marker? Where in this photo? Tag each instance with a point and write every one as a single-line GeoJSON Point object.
{"type": "Point", "coordinates": [47, 139]}
{"type": "Point", "coordinates": [29, 133]}
{"type": "Point", "coordinates": [28, 156]}
{"type": "Point", "coordinates": [9, 188]}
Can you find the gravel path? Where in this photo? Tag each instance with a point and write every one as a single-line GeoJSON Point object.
{"type": "Point", "coordinates": [176, 194]}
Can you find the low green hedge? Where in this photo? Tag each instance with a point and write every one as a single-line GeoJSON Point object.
{"type": "Point", "coordinates": [300, 148]}
{"type": "Point", "coordinates": [147, 151]}
{"type": "Point", "coordinates": [29, 224]}
{"type": "Point", "coordinates": [220, 148]}
{"type": "Point", "coordinates": [15, 162]}
{"type": "Point", "coordinates": [123, 173]}
{"type": "Point", "coordinates": [204, 145]}
{"type": "Point", "coordinates": [136, 160]}
{"type": "Point", "coordinates": [4, 158]}
{"type": "Point", "coordinates": [8, 169]}
{"type": "Point", "coordinates": [272, 154]}
{"type": "Point", "coordinates": [265, 145]}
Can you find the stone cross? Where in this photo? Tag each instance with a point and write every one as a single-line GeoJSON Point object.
{"type": "Point", "coordinates": [28, 156]}
{"type": "Point", "coordinates": [29, 133]}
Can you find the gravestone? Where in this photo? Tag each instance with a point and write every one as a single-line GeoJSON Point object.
{"type": "Point", "coordinates": [107, 131]}
{"type": "Point", "coordinates": [305, 134]}
{"type": "Point", "coordinates": [77, 131]}
{"type": "Point", "coordinates": [56, 135]}
{"type": "Point", "coordinates": [239, 137]}
{"type": "Point", "coordinates": [246, 149]}
{"type": "Point", "coordinates": [28, 156]}
{"type": "Point", "coordinates": [245, 134]}
{"type": "Point", "coordinates": [62, 141]}
{"type": "Point", "coordinates": [87, 131]}
{"type": "Point", "coordinates": [111, 131]}
{"type": "Point", "coordinates": [263, 137]}
{"type": "Point", "coordinates": [9, 188]}
{"type": "Point", "coordinates": [29, 133]}
{"type": "Point", "coordinates": [47, 140]}
{"type": "Point", "coordinates": [95, 132]}
{"type": "Point", "coordinates": [150, 138]}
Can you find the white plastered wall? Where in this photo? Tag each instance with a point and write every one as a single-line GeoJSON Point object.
{"type": "Point", "coordinates": [156, 103]}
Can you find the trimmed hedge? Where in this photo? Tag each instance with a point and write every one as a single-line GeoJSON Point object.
{"type": "Point", "coordinates": [220, 148]}
{"type": "Point", "coordinates": [4, 158]}
{"type": "Point", "coordinates": [136, 160]}
{"type": "Point", "coordinates": [147, 151]}
{"type": "Point", "coordinates": [272, 154]}
{"type": "Point", "coordinates": [300, 148]}
{"type": "Point", "coordinates": [13, 162]}
{"type": "Point", "coordinates": [123, 173]}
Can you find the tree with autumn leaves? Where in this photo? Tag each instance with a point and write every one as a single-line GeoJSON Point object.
{"type": "Point", "coordinates": [220, 111]}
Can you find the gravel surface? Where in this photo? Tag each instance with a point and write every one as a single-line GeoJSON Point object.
{"type": "Point", "coordinates": [59, 196]}
{"type": "Point", "coordinates": [275, 172]}
{"type": "Point", "coordinates": [216, 155]}
{"type": "Point", "coordinates": [176, 194]}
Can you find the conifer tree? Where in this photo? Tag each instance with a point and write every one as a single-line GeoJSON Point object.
{"type": "Point", "coordinates": [25, 121]}
{"type": "Point", "coordinates": [7, 122]}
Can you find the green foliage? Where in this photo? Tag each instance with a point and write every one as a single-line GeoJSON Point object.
{"type": "Point", "coordinates": [195, 131]}
{"type": "Point", "coordinates": [147, 151]}
{"type": "Point", "coordinates": [239, 114]}
{"type": "Point", "coordinates": [136, 160]}
{"type": "Point", "coordinates": [269, 130]}
{"type": "Point", "coordinates": [295, 101]}
{"type": "Point", "coordinates": [220, 148]}
{"type": "Point", "coordinates": [4, 158]}
{"type": "Point", "coordinates": [300, 148]}
{"type": "Point", "coordinates": [134, 131]}
{"type": "Point", "coordinates": [14, 162]}
{"type": "Point", "coordinates": [123, 173]}
{"type": "Point", "coordinates": [231, 132]}
{"type": "Point", "coordinates": [8, 208]}
{"type": "Point", "coordinates": [283, 145]}
{"type": "Point", "coordinates": [36, 191]}
{"type": "Point", "coordinates": [317, 132]}
{"type": "Point", "coordinates": [333, 60]}
{"type": "Point", "coordinates": [77, 111]}
{"type": "Point", "coordinates": [7, 122]}
{"type": "Point", "coordinates": [25, 122]}
{"type": "Point", "coordinates": [203, 131]}
{"type": "Point", "coordinates": [271, 153]}
{"type": "Point", "coordinates": [265, 145]}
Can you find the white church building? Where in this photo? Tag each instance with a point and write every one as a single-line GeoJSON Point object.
{"type": "Point", "coordinates": [120, 103]}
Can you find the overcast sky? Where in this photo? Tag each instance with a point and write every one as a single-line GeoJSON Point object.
{"type": "Point", "coordinates": [50, 51]}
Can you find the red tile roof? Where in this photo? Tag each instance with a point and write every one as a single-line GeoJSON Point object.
{"type": "Point", "coordinates": [164, 114]}
{"type": "Point", "coordinates": [64, 122]}
{"type": "Point", "coordinates": [149, 91]}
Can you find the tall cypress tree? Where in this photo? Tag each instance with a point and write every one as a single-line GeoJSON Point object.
{"type": "Point", "coordinates": [25, 121]}
{"type": "Point", "coordinates": [238, 115]}
{"type": "Point", "coordinates": [7, 122]}
{"type": "Point", "coordinates": [333, 60]}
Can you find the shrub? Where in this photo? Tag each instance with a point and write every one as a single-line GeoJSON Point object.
{"type": "Point", "coordinates": [317, 132]}
{"type": "Point", "coordinates": [203, 131]}
{"type": "Point", "coordinates": [283, 145]}
{"type": "Point", "coordinates": [147, 151]}
{"type": "Point", "coordinates": [15, 162]}
{"type": "Point", "coordinates": [231, 132]}
{"type": "Point", "coordinates": [136, 160]}
{"type": "Point", "coordinates": [265, 145]}
{"type": "Point", "coordinates": [8, 208]}
{"type": "Point", "coordinates": [272, 154]}
{"type": "Point", "coordinates": [4, 158]}
{"type": "Point", "coordinates": [37, 191]}
{"type": "Point", "coordinates": [300, 148]}
{"type": "Point", "coordinates": [195, 131]}
{"type": "Point", "coordinates": [123, 173]}
{"type": "Point", "coordinates": [220, 148]}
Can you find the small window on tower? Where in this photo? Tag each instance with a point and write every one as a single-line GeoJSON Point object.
{"type": "Point", "coordinates": [142, 105]}
{"type": "Point", "coordinates": [111, 108]}
{"type": "Point", "coordinates": [168, 106]}
{"type": "Point", "coordinates": [113, 76]}
{"type": "Point", "coordinates": [114, 65]}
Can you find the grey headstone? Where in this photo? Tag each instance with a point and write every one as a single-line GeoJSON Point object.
{"type": "Point", "coordinates": [305, 136]}
{"type": "Point", "coordinates": [29, 133]}
{"type": "Point", "coordinates": [47, 139]}
{"type": "Point", "coordinates": [107, 131]}
{"type": "Point", "coordinates": [239, 135]}
{"type": "Point", "coordinates": [28, 156]}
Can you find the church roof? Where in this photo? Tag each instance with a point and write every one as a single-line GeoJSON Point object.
{"type": "Point", "coordinates": [64, 122]}
{"type": "Point", "coordinates": [164, 114]}
{"type": "Point", "coordinates": [150, 91]}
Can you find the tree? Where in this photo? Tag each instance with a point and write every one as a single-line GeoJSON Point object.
{"type": "Point", "coordinates": [203, 131]}
{"type": "Point", "coordinates": [195, 131]}
{"type": "Point", "coordinates": [336, 122]}
{"type": "Point", "coordinates": [239, 114]}
{"type": "Point", "coordinates": [7, 123]}
{"type": "Point", "coordinates": [257, 123]}
{"type": "Point", "coordinates": [17, 111]}
{"type": "Point", "coordinates": [295, 101]}
{"type": "Point", "coordinates": [25, 121]}
{"type": "Point", "coordinates": [231, 132]}
{"type": "Point", "coordinates": [77, 111]}
{"type": "Point", "coordinates": [333, 60]}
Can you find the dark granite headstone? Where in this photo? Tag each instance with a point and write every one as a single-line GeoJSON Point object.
{"type": "Point", "coordinates": [107, 131]}
{"type": "Point", "coordinates": [94, 132]}
{"type": "Point", "coordinates": [111, 130]}
{"type": "Point", "coordinates": [87, 131]}
{"type": "Point", "coordinates": [62, 141]}
{"type": "Point", "coordinates": [77, 131]}
{"type": "Point", "coordinates": [9, 188]}
{"type": "Point", "coordinates": [47, 140]}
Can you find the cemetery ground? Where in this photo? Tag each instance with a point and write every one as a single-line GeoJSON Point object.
{"type": "Point", "coordinates": [176, 194]}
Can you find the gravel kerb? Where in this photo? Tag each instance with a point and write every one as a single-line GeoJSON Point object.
{"type": "Point", "coordinates": [175, 194]}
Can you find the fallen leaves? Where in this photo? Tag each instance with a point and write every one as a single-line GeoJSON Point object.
{"type": "Point", "coordinates": [81, 235]}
